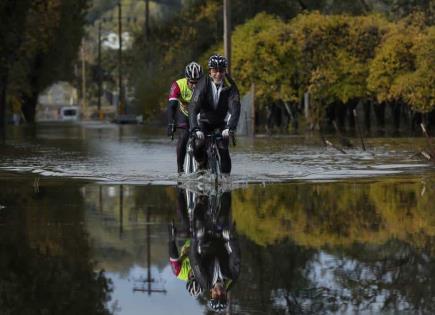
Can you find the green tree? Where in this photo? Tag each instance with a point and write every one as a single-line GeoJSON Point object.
{"type": "Point", "coordinates": [265, 55]}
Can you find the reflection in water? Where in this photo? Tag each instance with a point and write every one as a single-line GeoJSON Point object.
{"type": "Point", "coordinates": [148, 281]}
{"type": "Point", "coordinates": [308, 248]}
{"type": "Point", "coordinates": [46, 264]}
{"type": "Point", "coordinates": [342, 247]}
{"type": "Point", "coordinates": [209, 260]}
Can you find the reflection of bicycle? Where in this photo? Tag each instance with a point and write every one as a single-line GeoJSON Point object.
{"type": "Point", "coordinates": [212, 221]}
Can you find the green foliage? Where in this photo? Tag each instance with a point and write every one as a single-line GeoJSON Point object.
{"type": "Point", "coordinates": [392, 59]}
{"type": "Point", "coordinates": [162, 58]}
{"type": "Point", "coordinates": [404, 65]}
{"type": "Point", "coordinates": [325, 55]}
{"type": "Point", "coordinates": [264, 55]}
{"type": "Point", "coordinates": [284, 54]}
{"type": "Point", "coordinates": [417, 87]}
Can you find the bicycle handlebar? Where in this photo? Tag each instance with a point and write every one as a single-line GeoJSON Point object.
{"type": "Point", "coordinates": [219, 136]}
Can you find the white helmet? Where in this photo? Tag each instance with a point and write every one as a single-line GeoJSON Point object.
{"type": "Point", "coordinates": [193, 71]}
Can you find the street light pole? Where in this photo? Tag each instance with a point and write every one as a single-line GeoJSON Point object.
{"type": "Point", "coordinates": [121, 108]}
{"type": "Point", "coordinates": [227, 32]}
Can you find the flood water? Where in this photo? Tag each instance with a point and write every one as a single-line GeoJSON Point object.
{"type": "Point", "coordinates": [84, 214]}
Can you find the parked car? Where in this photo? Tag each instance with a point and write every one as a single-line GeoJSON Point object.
{"type": "Point", "coordinates": [69, 113]}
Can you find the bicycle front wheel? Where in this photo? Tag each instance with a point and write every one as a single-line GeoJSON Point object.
{"type": "Point", "coordinates": [190, 164]}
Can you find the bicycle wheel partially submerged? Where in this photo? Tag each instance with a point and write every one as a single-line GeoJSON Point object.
{"type": "Point", "coordinates": [214, 166]}
{"type": "Point", "coordinates": [190, 164]}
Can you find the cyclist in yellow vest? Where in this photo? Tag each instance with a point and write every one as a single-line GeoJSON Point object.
{"type": "Point", "coordinates": [180, 261]}
{"type": "Point", "coordinates": [178, 113]}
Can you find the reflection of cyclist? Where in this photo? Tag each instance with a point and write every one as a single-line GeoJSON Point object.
{"type": "Point", "coordinates": [179, 98]}
{"type": "Point", "coordinates": [180, 263]}
{"type": "Point", "coordinates": [215, 96]}
{"type": "Point", "coordinates": [214, 252]}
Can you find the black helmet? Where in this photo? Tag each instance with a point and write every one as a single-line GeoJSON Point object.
{"type": "Point", "coordinates": [193, 71]}
{"type": "Point", "coordinates": [217, 305]}
{"type": "Point", "coordinates": [193, 287]}
{"type": "Point", "coordinates": [217, 61]}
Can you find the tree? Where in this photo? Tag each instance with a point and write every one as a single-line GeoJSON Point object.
{"type": "Point", "coordinates": [417, 88]}
{"type": "Point", "coordinates": [13, 15]}
{"type": "Point", "coordinates": [52, 33]}
{"type": "Point", "coordinates": [265, 54]}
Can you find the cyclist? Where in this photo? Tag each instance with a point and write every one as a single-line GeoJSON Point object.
{"type": "Point", "coordinates": [214, 251]}
{"type": "Point", "coordinates": [215, 96]}
{"type": "Point", "coordinates": [179, 97]}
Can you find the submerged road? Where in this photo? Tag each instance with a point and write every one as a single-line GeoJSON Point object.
{"type": "Point", "coordinates": [133, 154]}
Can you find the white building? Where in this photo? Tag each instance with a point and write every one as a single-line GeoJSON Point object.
{"type": "Point", "coordinates": [57, 96]}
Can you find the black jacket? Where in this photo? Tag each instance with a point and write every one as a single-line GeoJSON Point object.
{"type": "Point", "coordinates": [202, 103]}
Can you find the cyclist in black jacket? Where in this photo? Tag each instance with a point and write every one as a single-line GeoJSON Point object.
{"type": "Point", "coordinates": [215, 251]}
{"type": "Point", "coordinates": [215, 96]}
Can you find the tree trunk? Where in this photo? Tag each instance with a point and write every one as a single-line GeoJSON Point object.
{"type": "Point", "coordinates": [395, 110]}
{"type": "Point", "coordinates": [380, 117]}
{"type": "Point", "coordinates": [341, 110]}
{"type": "Point", "coordinates": [416, 120]}
{"type": "Point", "coordinates": [3, 85]}
{"type": "Point", "coordinates": [330, 117]}
{"type": "Point", "coordinates": [367, 114]}
{"type": "Point", "coordinates": [351, 105]}
{"type": "Point", "coordinates": [29, 107]}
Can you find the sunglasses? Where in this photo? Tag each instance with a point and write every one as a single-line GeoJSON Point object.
{"type": "Point", "coordinates": [192, 82]}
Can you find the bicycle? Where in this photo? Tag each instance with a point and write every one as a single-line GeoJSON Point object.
{"type": "Point", "coordinates": [213, 156]}
{"type": "Point", "coordinates": [190, 165]}
{"type": "Point", "coordinates": [212, 221]}
{"type": "Point", "coordinates": [212, 151]}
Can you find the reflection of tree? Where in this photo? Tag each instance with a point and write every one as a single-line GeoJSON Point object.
{"type": "Point", "coordinates": [45, 257]}
{"type": "Point", "coordinates": [393, 276]}
{"type": "Point", "coordinates": [275, 280]}
{"type": "Point", "coordinates": [376, 239]}
{"type": "Point", "coordinates": [335, 213]}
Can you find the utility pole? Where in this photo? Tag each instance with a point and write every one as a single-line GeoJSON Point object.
{"type": "Point", "coordinates": [3, 84]}
{"type": "Point", "coordinates": [121, 210]}
{"type": "Point", "coordinates": [149, 279]}
{"type": "Point", "coordinates": [83, 77]}
{"type": "Point", "coordinates": [100, 74]}
{"type": "Point", "coordinates": [121, 107]}
{"type": "Point", "coordinates": [147, 19]}
{"type": "Point", "coordinates": [227, 32]}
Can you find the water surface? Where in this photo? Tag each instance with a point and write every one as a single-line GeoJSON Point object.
{"type": "Point", "coordinates": [84, 214]}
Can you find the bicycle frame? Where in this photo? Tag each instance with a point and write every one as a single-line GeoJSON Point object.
{"type": "Point", "coordinates": [213, 156]}
{"type": "Point", "coordinates": [190, 164]}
